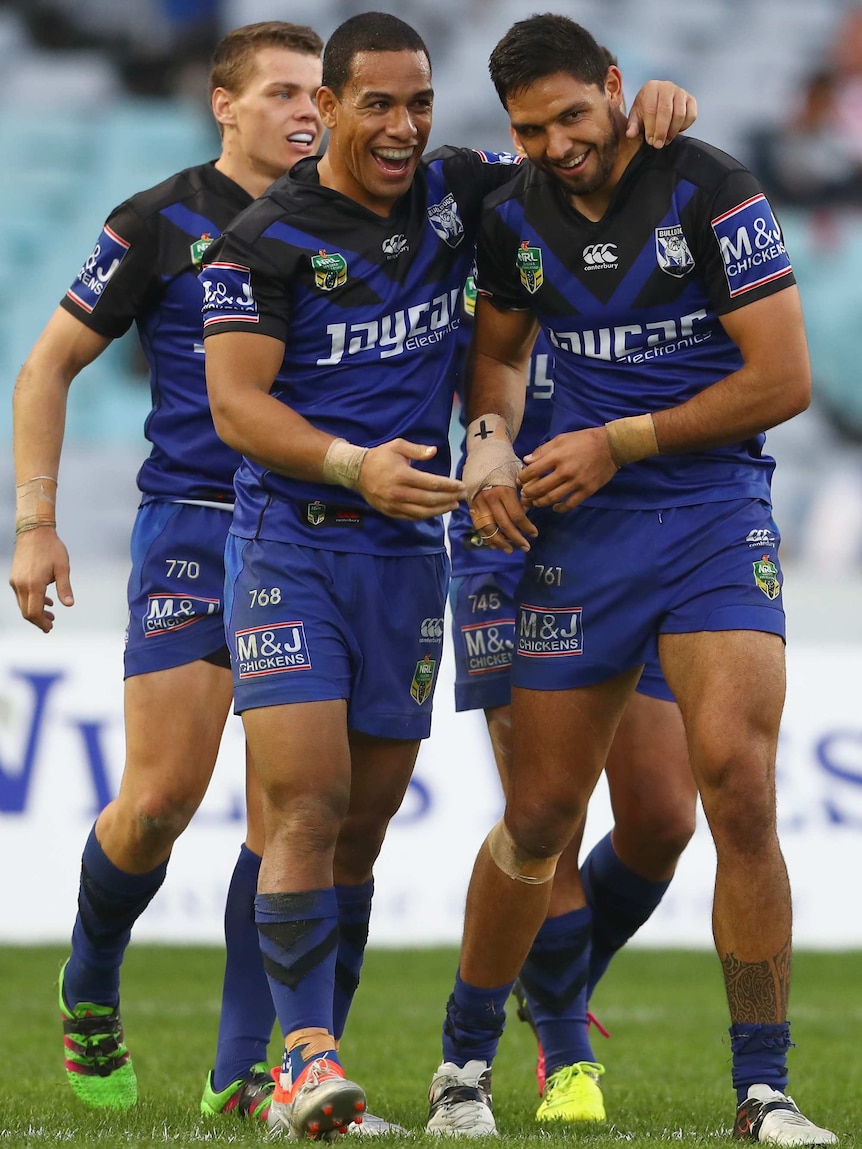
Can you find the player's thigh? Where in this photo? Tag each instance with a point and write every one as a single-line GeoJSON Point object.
{"type": "Point", "coordinates": [730, 686]}
{"type": "Point", "coordinates": [560, 741]}
{"type": "Point", "coordinates": [302, 760]}
{"type": "Point", "coordinates": [381, 769]}
{"type": "Point", "coordinates": [174, 722]}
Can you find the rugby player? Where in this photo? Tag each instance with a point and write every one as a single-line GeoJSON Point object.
{"type": "Point", "coordinates": [143, 270]}
{"type": "Point", "coordinates": [330, 308]}
{"type": "Point", "coordinates": [651, 508]}
{"type": "Point", "coordinates": [652, 792]}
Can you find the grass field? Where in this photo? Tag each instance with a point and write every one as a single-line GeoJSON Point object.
{"type": "Point", "coordinates": [667, 1061]}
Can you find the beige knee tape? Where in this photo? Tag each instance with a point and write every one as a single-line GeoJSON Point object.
{"type": "Point", "coordinates": [515, 862]}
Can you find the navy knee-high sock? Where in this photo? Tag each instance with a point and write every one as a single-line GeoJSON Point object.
{"type": "Point", "coordinates": [621, 901]}
{"type": "Point", "coordinates": [110, 901]}
{"type": "Point", "coordinates": [247, 1013]}
{"type": "Point", "coordinates": [299, 940]}
{"type": "Point", "coordinates": [554, 978]}
{"type": "Point", "coordinates": [354, 913]}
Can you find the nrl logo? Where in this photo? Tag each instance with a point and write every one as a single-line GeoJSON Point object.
{"type": "Point", "coordinates": [423, 680]}
{"type": "Point", "coordinates": [766, 577]}
{"type": "Point", "coordinates": [470, 294]}
{"type": "Point", "coordinates": [529, 262]}
{"type": "Point", "coordinates": [394, 246]}
{"type": "Point", "coordinates": [330, 271]}
{"type": "Point", "coordinates": [672, 252]}
{"type": "Point", "coordinates": [315, 513]}
{"type": "Point", "coordinates": [197, 249]}
{"type": "Point", "coordinates": [444, 218]}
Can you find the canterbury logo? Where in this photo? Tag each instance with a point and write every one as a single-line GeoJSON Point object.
{"type": "Point", "coordinates": [432, 628]}
{"type": "Point", "coordinates": [600, 254]}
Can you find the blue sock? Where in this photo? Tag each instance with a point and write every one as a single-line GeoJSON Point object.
{"type": "Point", "coordinates": [354, 913]}
{"type": "Point", "coordinates": [474, 1022]}
{"type": "Point", "coordinates": [299, 939]}
{"type": "Point", "coordinates": [554, 978]}
{"type": "Point", "coordinates": [247, 1013]}
{"type": "Point", "coordinates": [621, 902]}
{"type": "Point", "coordinates": [110, 901]}
{"type": "Point", "coordinates": [759, 1056]}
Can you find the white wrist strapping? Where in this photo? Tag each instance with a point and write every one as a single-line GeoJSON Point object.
{"type": "Point", "coordinates": [343, 462]}
{"type": "Point", "coordinates": [35, 504]}
{"type": "Point", "coordinates": [491, 459]}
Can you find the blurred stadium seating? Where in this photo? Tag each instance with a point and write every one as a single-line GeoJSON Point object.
{"type": "Point", "coordinates": [73, 148]}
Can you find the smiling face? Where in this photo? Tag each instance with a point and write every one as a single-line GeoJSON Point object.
{"type": "Point", "coordinates": [273, 121]}
{"type": "Point", "coordinates": [573, 131]}
{"type": "Point", "coordinates": [379, 127]}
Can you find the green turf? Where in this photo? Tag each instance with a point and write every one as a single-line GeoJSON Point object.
{"type": "Point", "coordinates": [667, 1061]}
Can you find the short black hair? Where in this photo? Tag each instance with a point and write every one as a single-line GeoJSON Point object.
{"type": "Point", "coordinates": [543, 45]}
{"type": "Point", "coordinates": [366, 32]}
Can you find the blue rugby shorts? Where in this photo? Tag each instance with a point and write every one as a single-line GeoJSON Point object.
{"type": "Point", "coordinates": [601, 586]}
{"type": "Point", "coordinates": [176, 586]}
{"type": "Point", "coordinates": [307, 625]}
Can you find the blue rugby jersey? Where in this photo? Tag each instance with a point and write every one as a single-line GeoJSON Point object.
{"type": "Point", "coordinates": [368, 309]}
{"type": "Point", "coordinates": [631, 303]}
{"type": "Point", "coordinates": [467, 558]}
{"type": "Point", "coordinates": [143, 270]}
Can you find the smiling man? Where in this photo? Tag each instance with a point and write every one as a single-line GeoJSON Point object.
{"type": "Point", "coordinates": [143, 270]}
{"type": "Point", "coordinates": [663, 285]}
{"type": "Point", "coordinates": [330, 314]}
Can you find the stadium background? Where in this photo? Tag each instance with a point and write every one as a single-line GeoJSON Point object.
{"type": "Point", "coordinates": [104, 98]}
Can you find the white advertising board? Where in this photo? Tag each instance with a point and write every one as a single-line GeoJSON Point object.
{"type": "Point", "coordinates": [61, 754]}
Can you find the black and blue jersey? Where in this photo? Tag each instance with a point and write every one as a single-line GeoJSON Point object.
{"type": "Point", "coordinates": [368, 308]}
{"type": "Point", "coordinates": [143, 270]}
{"type": "Point", "coordinates": [632, 302]}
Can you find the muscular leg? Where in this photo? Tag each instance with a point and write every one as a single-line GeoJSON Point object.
{"type": "Point", "coordinates": [247, 1013]}
{"type": "Point", "coordinates": [653, 797]}
{"type": "Point", "coordinates": [561, 741]}
{"type": "Point", "coordinates": [168, 766]}
{"type": "Point", "coordinates": [730, 686]}
{"type": "Point", "coordinates": [381, 772]}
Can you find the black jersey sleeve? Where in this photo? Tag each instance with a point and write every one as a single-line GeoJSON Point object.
{"type": "Point", "coordinates": [743, 257]}
{"type": "Point", "coordinates": [497, 263]}
{"type": "Point", "coordinates": [119, 276]}
{"type": "Point", "coordinates": [243, 290]}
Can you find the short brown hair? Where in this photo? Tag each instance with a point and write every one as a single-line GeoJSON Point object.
{"type": "Point", "coordinates": [233, 58]}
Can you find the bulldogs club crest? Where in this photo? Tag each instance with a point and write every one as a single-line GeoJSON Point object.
{"type": "Point", "coordinates": [330, 271]}
{"type": "Point", "coordinates": [529, 261]}
{"type": "Point", "coordinates": [446, 221]}
{"type": "Point", "coordinates": [672, 252]}
{"type": "Point", "coordinates": [766, 577]}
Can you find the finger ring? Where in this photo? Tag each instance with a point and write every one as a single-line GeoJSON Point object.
{"type": "Point", "coordinates": [485, 538]}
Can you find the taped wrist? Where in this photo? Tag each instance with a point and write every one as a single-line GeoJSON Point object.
{"type": "Point", "coordinates": [632, 439]}
{"type": "Point", "coordinates": [35, 504]}
{"type": "Point", "coordinates": [343, 462]}
{"type": "Point", "coordinates": [516, 863]}
{"type": "Point", "coordinates": [491, 459]}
